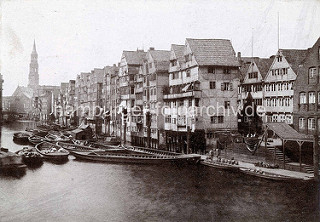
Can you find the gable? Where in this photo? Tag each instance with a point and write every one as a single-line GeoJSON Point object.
{"type": "Point", "coordinates": [253, 68]}
{"type": "Point", "coordinates": [279, 65]}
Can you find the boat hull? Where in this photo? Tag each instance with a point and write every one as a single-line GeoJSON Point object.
{"type": "Point", "coordinates": [135, 159]}
{"type": "Point", "coordinates": [221, 166]}
{"type": "Point", "coordinates": [266, 175]}
{"type": "Point", "coordinates": [44, 149]}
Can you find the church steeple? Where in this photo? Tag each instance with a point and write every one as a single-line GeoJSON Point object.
{"type": "Point", "coordinates": [33, 69]}
{"type": "Point", "coordinates": [34, 46]}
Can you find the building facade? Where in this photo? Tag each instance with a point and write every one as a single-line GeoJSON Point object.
{"type": "Point", "coordinates": [128, 70]}
{"type": "Point", "coordinates": [278, 85]}
{"type": "Point", "coordinates": [208, 76]}
{"type": "Point", "coordinates": [307, 92]}
{"type": "Point", "coordinates": [156, 78]}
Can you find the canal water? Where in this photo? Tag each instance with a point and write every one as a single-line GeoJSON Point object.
{"type": "Point", "coordinates": [85, 191]}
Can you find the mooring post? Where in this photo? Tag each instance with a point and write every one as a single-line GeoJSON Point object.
{"type": "Point", "coordinates": [188, 139]}
{"type": "Point", "coordinates": [316, 151]}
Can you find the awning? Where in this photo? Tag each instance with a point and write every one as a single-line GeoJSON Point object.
{"type": "Point", "coordinates": [184, 89]}
{"type": "Point", "coordinates": [122, 105]}
{"type": "Point", "coordinates": [286, 132]}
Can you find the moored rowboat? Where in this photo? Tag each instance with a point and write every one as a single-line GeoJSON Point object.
{"type": "Point", "coordinates": [51, 151]}
{"type": "Point", "coordinates": [220, 165]}
{"type": "Point", "coordinates": [21, 137]}
{"type": "Point", "coordinates": [267, 175]}
{"type": "Point", "coordinates": [30, 156]}
{"type": "Point", "coordinates": [35, 139]}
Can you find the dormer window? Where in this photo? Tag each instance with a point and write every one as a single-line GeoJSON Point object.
{"type": "Point", "coordinates": [173, 62]}
{"type": "Point", "coordinates": [253, 75]}
{"type": "Point", "coordinates": [226, 71]}
{"type": "Point", "coordinates": [188, 57]}
{"type": "Point", "coordinates": [211, 69]}
{"type": "Point", "coordinates": [279, 58]}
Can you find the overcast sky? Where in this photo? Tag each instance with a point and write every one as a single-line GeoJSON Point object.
{"type": "Point", "coordinates": [74, 36]}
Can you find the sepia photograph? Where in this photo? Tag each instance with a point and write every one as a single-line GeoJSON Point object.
{"type": "Point", "coordinates": [159, 110]}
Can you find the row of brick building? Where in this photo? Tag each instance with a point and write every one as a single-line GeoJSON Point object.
{"type": "Point", "coordinates": [198, 74]}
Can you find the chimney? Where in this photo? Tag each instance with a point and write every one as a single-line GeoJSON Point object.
{"type": "Point", "coordinates": [151, 48]}
{"type": "Point", "coordinates": [239, 56]}
{"type": "Point", "coordinates": [114, 65]}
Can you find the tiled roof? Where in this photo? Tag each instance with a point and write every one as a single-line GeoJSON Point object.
{"type": "Point", "coordinates": [162, 65]}
{"type": "Point", "coordinates": [244, 65]}
{"type": "Point", "coordinates": [294, 57]}
{"type": "Point", "coordinates": [134, 57]}
{"type": "Point", "coordinates": [264, 65]}
{"type": "Point", "coordinates": [28, 92]}
{"type": "Point", "coordinates": [160, 55]}
{"type": "Point", "coordinates": [179, 52]}
{"type": "Point", "coordinates": [213, 52]}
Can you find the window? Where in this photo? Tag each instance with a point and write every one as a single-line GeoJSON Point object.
{"type": "Point", "coordinates": [227, 104]}
{"type": "Point", "coordinates": [226, 86]}
{"type": "Point", "coordinates": [168, 119]}
{"type": "Point", "coordinates": [226, 71]}
{"type": "Point", "coordinates": [150, 65]}
{"type": "Point", "coordinates": [211, 69]}
{"type": "Point", "coordinates": [188, 73]}
{"type": "Point", "coordinates": [301, 123]}
{"type": "Point", "coordinates": [253, 75]}
{"type": "Point", "coordinates": [303, 98]}
{"type": "Point", "coordinates": [312, 75]}
{"type": "Point", "coordinates": [196, 102]}
{"type": "Point", "coordinates": [216, 119]}
{"type": "Point", "coordinates": [132, 90]}
{"type": "Point", "coordinates": [279, 58]}
{"type": "Point", "coordinates": [212, 85]}
{"type": "Point", "coordinates": [188, 57]}
{"type": "Point", "coordinates": [312, 97]}
{"type": "Point", "coordinates": [175, 75]}
{"type": "Point", "coordinates": [311, 124]}
{"type": "Point", "coordinates": [190, 102]}
{"type": "Point", "coordinates": [174, 120]}
{"type": "Point", "coordinates": [318, 98]}
{"type": "Point", "coordinates": [173, 62]}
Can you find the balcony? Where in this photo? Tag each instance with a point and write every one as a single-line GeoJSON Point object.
{"type": "Point", "coordinates": [196, 94]}
{"type": "Point", "coordinates": [125, 97]}
{"type": "Point", "coordinates": [139, 102]}
{"type": "Point", "coordinates": [139, 90]}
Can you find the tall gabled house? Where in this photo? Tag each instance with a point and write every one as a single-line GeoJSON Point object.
{"type": "Point", "coordinates": [208, 75]}
{"type": "Point", "coordinates": [156, 78]}
{"type": "Point", "coordinates": [278, 85]}
{"type": "Point", "coordinates": [128, 70]}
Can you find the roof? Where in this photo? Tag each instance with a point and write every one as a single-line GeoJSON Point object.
{"type": "Point", "coordinates": [134, 57]}
{"type": "Point", "coordinates": [263, 65]}
{"type": "Point", "coordinates": [178, 50]}
{"type": "Point", "coordinates": [294, 57]}
{"type": "Point", "coordinates": [162, 65]}
{"type": "Point", "coordinates": [286, 132]}
{"type": "Point", "coordinates": [160, 55]}
{"type": "Point", "coordinates": [28, 92]}
{"type": "Point", "coordinates": [217, 52]}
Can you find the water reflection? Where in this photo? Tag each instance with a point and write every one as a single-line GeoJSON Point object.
{"type": "Point", "coordinates": [86, 191]}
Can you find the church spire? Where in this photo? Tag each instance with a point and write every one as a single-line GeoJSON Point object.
{"type": "Point", "coordinates": [33, 69]}
{"type": "Point", "coordinates": [34, 46]}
